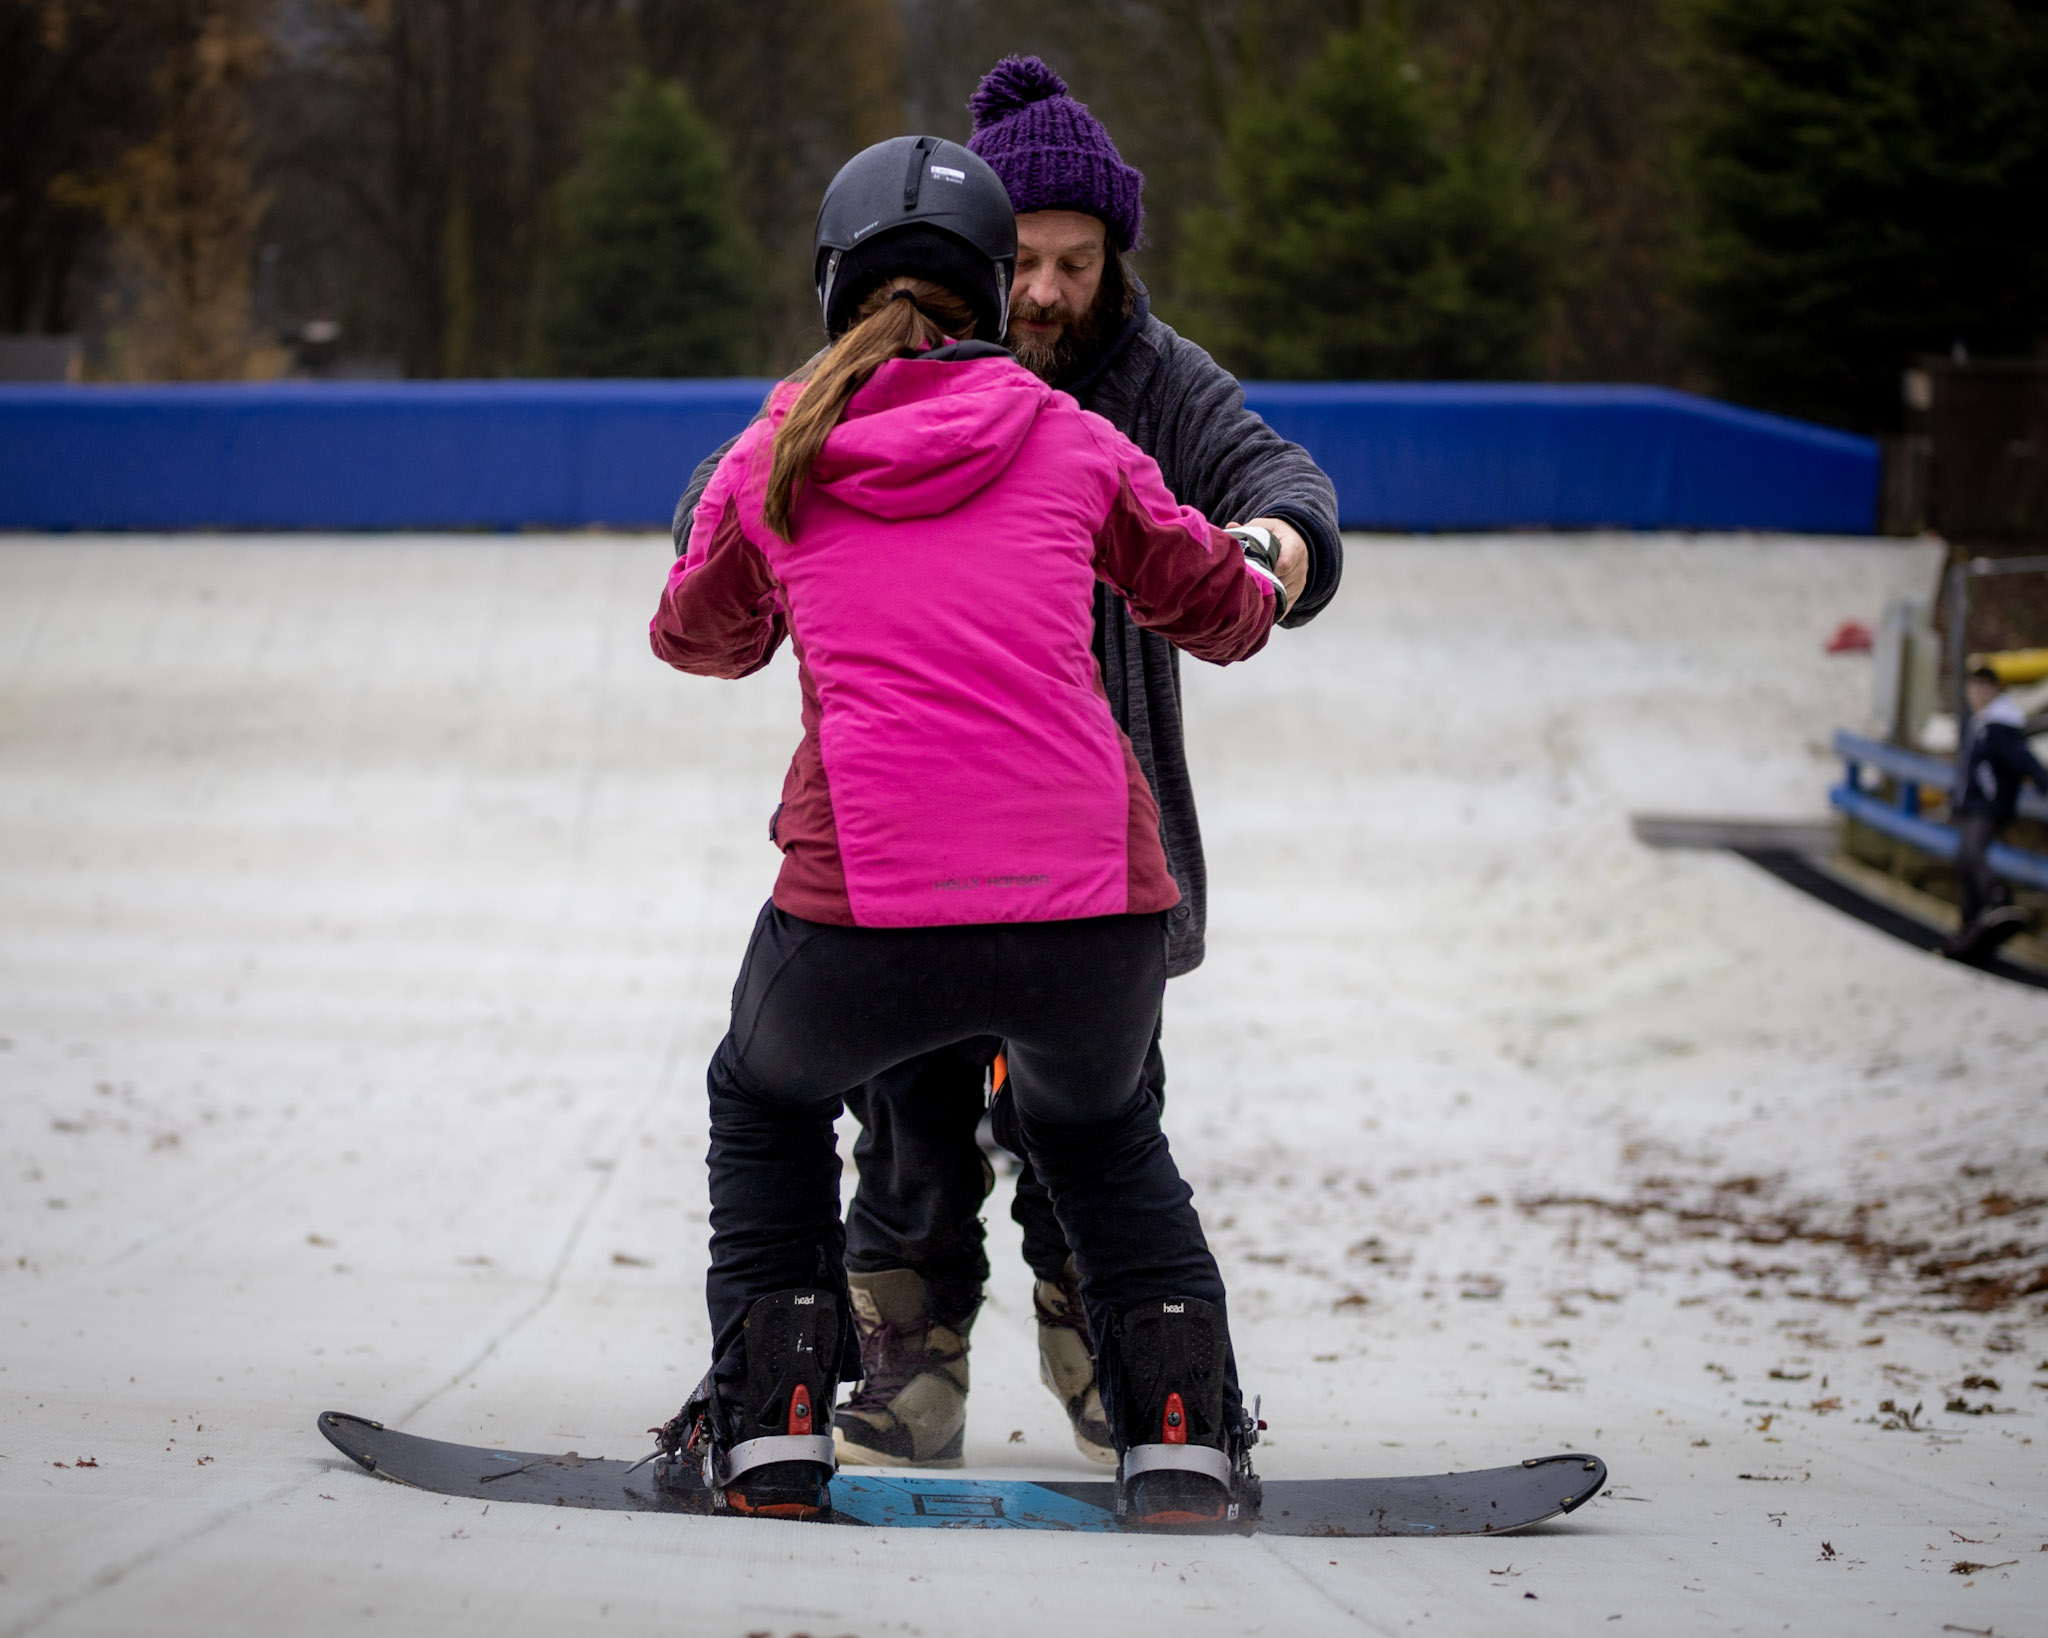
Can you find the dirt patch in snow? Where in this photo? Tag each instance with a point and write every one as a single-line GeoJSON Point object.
{"type": "Point", "coordinates": [1968, 1242]}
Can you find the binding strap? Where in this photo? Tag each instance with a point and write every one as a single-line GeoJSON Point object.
{"type": "Point", "coordinates": [1189, 1458]}
{"type": "Point", "coordinates": [776, 1447]}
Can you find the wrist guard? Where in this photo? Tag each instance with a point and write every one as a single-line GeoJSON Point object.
{"type": "Point", "coordinates": [1262, 552]}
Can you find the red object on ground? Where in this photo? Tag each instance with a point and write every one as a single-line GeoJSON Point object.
{"type": "Point", "coordinates": [1851, 637]}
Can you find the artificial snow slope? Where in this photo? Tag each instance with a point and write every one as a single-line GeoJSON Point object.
{"type": "Point", "coordinates": [368, 909]}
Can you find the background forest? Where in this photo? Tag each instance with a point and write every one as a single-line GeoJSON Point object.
{"type": "Point", "coordinates": [1779, 200]}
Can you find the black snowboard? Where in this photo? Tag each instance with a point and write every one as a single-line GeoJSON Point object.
{"type": "Point", "coordinates": [1441, 1504]}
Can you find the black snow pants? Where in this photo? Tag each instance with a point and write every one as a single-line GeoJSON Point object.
{"type": "Point", "coordinates": [921, 1179]}
{"type": "Point", "coordinates": [821, 1009]}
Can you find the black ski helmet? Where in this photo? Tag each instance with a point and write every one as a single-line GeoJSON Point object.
{"type": "Point", "coordinates": [922, 206]}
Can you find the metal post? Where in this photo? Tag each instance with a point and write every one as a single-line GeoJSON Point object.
{"type": "Point", "coordinates": [1958, 647]}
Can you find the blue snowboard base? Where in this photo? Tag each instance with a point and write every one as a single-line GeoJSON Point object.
{"type": "Point", "coordinates": [1444, 1504]}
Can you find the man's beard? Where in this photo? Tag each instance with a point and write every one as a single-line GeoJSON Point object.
{"type": "Point", "coordinates": [1062, 355]}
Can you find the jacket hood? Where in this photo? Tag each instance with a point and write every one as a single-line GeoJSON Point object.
{"type": "Point", "coordinates": [925, 435]}
{"type": "Point", "coordinates": [2002, 711]}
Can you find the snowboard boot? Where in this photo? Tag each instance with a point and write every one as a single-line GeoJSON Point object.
{"type": "Point", "coordinates": [1998, 924]}
{"type": "Point", "coordinates": [756, 1441]}
{"type": "Point", "coordinates": [1066, 1362]}
{"type": "Point", "coordinates": [911, 1407]}
{"type": "Point", "coordinates": [1183, 1464]}
{"type": "Point", "coordinates": [1978, 941]}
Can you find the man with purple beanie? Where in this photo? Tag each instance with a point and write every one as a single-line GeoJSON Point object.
{"type": "Point", "coordinates": [1081, 320]}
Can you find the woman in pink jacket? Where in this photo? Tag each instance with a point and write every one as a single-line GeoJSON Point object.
{"type": "Point", "coordinates": [969, 846]}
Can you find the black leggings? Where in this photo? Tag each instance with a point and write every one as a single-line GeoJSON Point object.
{"type": "Point", "coordinates": [820, 1009]}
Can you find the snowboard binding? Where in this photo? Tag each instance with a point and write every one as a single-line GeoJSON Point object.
{"type": "Point", "coordinates": [1183, 1463]}
{"type": "Point", "coordinates": [762, 1445]}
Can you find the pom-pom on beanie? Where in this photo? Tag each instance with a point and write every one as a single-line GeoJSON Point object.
{"type": "Point", "coordinates": [1051, 153]}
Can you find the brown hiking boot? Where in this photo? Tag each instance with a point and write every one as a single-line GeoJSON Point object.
{"type": "Point", "coordinates": [1066, 1362]}
{"type": "Point", "coordinates": [911, 1407]}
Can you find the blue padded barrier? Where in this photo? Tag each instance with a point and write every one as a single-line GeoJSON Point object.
{"type": "Point", "coordinates": [562, 454]}
{"type": "Point", "coordinates": [1441, 455]}
{"type": "Point", "coordinates": [382, 455]}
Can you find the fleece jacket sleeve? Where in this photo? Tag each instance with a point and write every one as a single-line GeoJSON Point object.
{"type": "Point", "coordinates": [721, 613]}
{"type": "Point", "coordinates": [1228, 464]}
{"type": "Point", "coordinates": [1181, 576]}
{"type": "Point", "coordinates": [700, 480]}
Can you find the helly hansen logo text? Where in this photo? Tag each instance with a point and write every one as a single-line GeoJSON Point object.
{"type": "Point", "coordinates": [967, 884]}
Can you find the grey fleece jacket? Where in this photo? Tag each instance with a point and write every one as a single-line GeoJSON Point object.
{"type": "Point", "coordinates": [1187, 412]}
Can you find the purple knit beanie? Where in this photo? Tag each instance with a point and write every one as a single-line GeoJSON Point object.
{"type": "Point", "coordinates": [1051, 153]}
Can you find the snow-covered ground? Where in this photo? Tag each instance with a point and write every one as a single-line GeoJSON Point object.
{"type": "Point", "coordinates": [368, 909]}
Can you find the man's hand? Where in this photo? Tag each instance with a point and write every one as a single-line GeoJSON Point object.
{"type": "Point", "coordinates": [1293, 565]}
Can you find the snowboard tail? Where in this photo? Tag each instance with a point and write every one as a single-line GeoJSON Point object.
{"type": "Point", "coordinates": [1485, 1502]}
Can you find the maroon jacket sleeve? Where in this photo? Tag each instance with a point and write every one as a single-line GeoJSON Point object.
{"type": "Point", "coordinates": [1181, 576]}
{"type": "Point", "coordinates": [720, 615]}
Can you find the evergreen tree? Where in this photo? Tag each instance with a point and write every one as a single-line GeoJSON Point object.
{"type": "Point", "coordinates": [798, 90]}
{"type": "Point", "coordinates": [1872, 182]}
{"type": "Point", "coordinates": [1365, 234]}
{"type": "Point", "coordinates": [656, 273]}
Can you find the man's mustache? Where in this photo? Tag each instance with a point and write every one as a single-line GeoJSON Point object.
{"type": "Point", "coordinates": [1032, 313]}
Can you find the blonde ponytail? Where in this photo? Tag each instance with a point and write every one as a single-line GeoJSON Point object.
{"type": "Point", "coordinates": [903, 317]}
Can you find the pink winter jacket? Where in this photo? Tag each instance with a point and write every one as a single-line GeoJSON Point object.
{"type": "Point", "coordinates": [959, 760]}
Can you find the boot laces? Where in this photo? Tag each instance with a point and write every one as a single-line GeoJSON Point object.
{"type": "Point", "coordinates": [1069, 1316]}
{"type": "Point", "coordinates": [889, 1362]}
